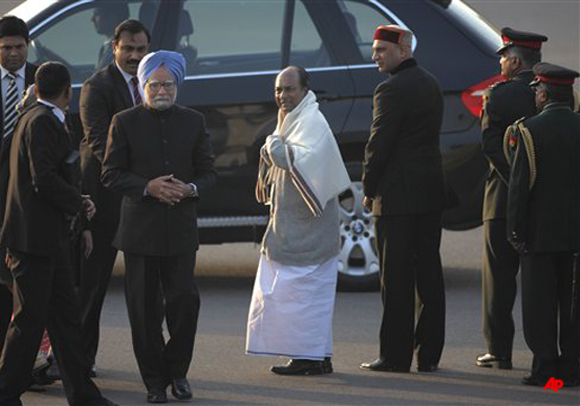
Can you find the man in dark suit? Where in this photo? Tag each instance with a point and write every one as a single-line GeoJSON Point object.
{"type": "Point", "coordinates": [160, 158]}
{"type": "Point", "coordinates": [17, 75]}
{"type": "Point", "coordinates": [543, 224]}
{"type": "Point", "coordinates": [41, 194]}
{"type": "Point", "coordinates": [504, 103]}
{"type": "Point", "coordinates": [404, 186]}
{"type": "Point", "coordinates": [106, 93]}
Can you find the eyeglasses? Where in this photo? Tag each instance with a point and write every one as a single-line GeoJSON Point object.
{"type": "Point", "coordinates": [155, 86]}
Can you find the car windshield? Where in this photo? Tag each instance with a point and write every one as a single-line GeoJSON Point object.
{"type": "Point", "coordinates": [485, 31]}
{"type": "Point", "coordinates": [29, 9]}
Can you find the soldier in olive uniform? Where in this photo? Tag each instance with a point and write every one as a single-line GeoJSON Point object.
{"type": "Point", "coordinates": [504, 103]}
{"type": "Point", "coordinates": [543, 224]}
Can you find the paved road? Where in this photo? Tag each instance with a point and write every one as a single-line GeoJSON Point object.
{"type": "Point", "coordinates": [222, 375]}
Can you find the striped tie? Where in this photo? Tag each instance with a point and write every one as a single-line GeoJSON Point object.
{"type": "Point", "coordinates": [10, 113]}
{"type": "Point", "coordinates": [136, 93]}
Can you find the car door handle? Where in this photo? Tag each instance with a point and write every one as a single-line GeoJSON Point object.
{"type": "Point", "coordinates": [209, 63]}
{"type": "Point", "coordinates": [324, 95]}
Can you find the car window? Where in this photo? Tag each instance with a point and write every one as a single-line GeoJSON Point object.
{"type": "Point", "coordinates": [307, 49]}
{"type": "Point", "coordinates": [363, 19]}
{"type": "Point", "coordinates": [231, 37]}
{"type": "Point", "coordinates": [81, 38]}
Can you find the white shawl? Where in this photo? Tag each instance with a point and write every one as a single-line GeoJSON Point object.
{"type": "Point", "coordinates": [312, 154]}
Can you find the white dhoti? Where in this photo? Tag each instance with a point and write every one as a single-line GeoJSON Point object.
{"type": "Point", "coordinates": [291, 310]}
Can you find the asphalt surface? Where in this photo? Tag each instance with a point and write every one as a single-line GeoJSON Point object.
{"type": "Point", "coordinates": [222, 375]}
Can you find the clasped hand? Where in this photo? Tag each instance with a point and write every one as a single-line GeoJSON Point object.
{"type": "Point", "coordinates": [168, 189]}
{"type": "Point", "coordinates": [89, 207]}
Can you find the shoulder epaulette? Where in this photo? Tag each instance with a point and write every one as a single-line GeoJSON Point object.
{"type": "Point", "coordinates": [499, 84]}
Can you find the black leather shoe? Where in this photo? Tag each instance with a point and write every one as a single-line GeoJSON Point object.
{"type": "Point", "coordinates": [492, 361]}
{"type": "Point", "coordinates": [381, 365]}
{"type": "Point", "coordinates": [427, 368]}
{"type": "Point", "coordinates": [156, 396]}
{"type": "Point", "coordinates": [534, 380]}
{"type": "Point", "coordinates": [93, 371]}
{"type": "Point", "coordinates": [300, 367]}
{"type": "Point", "coordinates": [180, 389]}
{"type": "Point", "coordinates": [327, 365]}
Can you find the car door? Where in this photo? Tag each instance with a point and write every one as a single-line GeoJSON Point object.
{"type": "Point", "coordinates": [234, 50]}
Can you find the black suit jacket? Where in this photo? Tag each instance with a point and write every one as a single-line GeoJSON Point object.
{"type": "Point", "coordinates": [503, 104]}
{"type": "Point", "coordinates": [5, 142]}
{"type": "Point", "coordinates": [29, 72]}
{"type": "Point", "coordinates": [547, 216]}
{"type": "Point", "coordinates": [41, 191]}
{"type": "Point", "coordinates": [144, 144]}
{"type": "Point", "coordinates": [102, 96]}
{"type": "Point", "coordinates": [402, 168]}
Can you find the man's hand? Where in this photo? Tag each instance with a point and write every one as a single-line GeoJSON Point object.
{"type": "Point", "coordinates": [184, 187]}
{"type": "Point", "coordinates": [89, 207]}
{"type": "Point", "coordinates": [368, 203]}
{"type": "Point", "coordinates": [166, 189]}
{"type": "Point", "coordinates": [87, 243]}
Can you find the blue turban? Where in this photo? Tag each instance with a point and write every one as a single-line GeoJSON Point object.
{"type": "Point", "coordinates": [173, 61]}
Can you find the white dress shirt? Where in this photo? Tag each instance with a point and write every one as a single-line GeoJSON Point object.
{"type": "Point", "coordinates": [57, 111]}
{"type": "Point", "coordinates": [6, 81]}
{"type": "Point", "coordinates": [128, 78]}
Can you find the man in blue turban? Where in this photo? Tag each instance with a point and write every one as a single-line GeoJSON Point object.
{"type": "Point", "coordinates": [160, 159]}
{"type": "Point", "coordinates": [173, 61]}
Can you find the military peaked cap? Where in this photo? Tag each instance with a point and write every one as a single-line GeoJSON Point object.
{"type": "Point", "coordinates": [512, 37]}
{"type": "Point", "coordinates": [553, 75]}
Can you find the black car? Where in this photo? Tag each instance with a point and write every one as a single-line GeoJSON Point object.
{"type": "Point", "coordinates": [234, 49]}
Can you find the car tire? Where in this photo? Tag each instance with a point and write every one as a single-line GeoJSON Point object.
{"type": "Point", "coordinates": [358, 263]}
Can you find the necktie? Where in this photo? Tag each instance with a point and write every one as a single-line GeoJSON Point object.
{"type": "Point", "coordinates": [136, 94]}
{"type": "Point", "coordinates": [10, 113]}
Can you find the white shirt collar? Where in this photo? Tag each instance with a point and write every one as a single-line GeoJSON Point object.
{"type": "Point", "coordinates": [55, 109]}
{"type": "Point", "coordinates": [126, 76]}
{"type": "Point", "coordinates": [19, 73]}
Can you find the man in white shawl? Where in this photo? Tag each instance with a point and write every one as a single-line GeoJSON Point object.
{"type": "Point", "coordinates": [301, 175]}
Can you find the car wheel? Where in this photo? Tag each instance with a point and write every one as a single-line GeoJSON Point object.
{"type": "Point", "coordinates": [358, 262]}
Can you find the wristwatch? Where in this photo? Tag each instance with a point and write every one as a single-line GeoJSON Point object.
{"type": "Point", "coordinates": [193, 189]}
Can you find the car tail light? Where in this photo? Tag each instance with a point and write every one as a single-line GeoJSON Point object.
{"type": "Point", "coordinates": [473, 97]}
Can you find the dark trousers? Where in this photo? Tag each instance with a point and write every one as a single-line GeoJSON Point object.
{"type": "Point", "coordinates": [410, 261]}
{"type": "Point", "coordinates": [499, 287]}
{"type": "Point", "coordinates": [5, 311]}
{"type": "Point", "coordinates": [549, 331]}
{"type": "Point", "coordinates": [160, 361]}
{"type": "Point", "coordinates": [95, 273]}
{"type": "Point", "coordinates": [44, 298]}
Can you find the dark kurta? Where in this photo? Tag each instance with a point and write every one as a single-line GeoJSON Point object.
{"type": "Point", "coordinates": [144, 144]}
